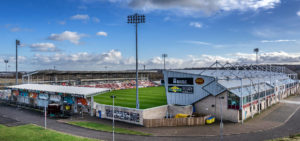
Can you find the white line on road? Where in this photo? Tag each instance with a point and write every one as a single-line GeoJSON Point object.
{"type": "Point", "coordinates": [290, 102]}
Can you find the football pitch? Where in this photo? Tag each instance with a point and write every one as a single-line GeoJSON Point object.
{"type": "Point", "coordinates": [148, 97]}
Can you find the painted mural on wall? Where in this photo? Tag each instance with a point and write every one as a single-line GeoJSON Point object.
{"type": "Point", "coordinates": [122, 114]}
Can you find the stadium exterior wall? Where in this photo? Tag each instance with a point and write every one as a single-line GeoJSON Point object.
{"type": "Point", "coordinates": [211, 105]}
{"type": "Point", "coordinates": [205, 94]}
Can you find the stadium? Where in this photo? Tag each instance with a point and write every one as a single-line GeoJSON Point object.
{"type": "Point", "coordinates": [231, 92]}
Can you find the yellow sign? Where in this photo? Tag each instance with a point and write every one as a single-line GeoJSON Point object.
{"type": "Point", "coordinates": [199, 81]}
{"type": "Point", "coordinates": [175, 89]}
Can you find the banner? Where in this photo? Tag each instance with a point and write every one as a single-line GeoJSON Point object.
{"type": "Point", "coordinates": [180, 81]}
{"type": "Point", "coordinates": [43, 96]}
{"type": "Point", "coordinates": [55, 98]}
{"type": "Point", "coordinates": [181, 89]}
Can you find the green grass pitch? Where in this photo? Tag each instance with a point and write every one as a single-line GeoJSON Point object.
{"type": "Point", "coordinates": [149, 97]}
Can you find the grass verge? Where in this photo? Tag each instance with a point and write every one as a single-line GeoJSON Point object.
{"type": "Point", "coordinates": [105, 128]}
{"type": "Point", "coordinates": [32, 132]}
{"type": "Point", "coordinates": [295, 137]}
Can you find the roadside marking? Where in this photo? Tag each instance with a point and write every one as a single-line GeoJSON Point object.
{"type": "Point", "coordinates": [290, 102]}
{"type": "Point", "coordinates": [291, 115]}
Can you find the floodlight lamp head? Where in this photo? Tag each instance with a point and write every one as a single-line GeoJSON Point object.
{"type": "Point", "coordinates": [136, 19]}
{"type": "Point", "coordinates": [17, 42]}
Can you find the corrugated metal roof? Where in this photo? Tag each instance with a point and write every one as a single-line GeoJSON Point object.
{"type": "Point", "coordinates": [232, 78]}
{"type": "Point", "coordinates": [84, 91]}
{"type": "Point", "coordinates": [252, 89]}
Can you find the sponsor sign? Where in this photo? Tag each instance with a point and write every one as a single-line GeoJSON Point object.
{"type": "Point", "coordinates": [199, 81]}
{"type": "Point", "coordinates": [55, 98]}
{"type": "Point", "coordinates": [181, 89]}
{"type": "Point", "coordinates": [43, 96]}
{"type": "Point", "coordinates": [180, 81]}
{"type": "Point", "coordinates": [123, 114]}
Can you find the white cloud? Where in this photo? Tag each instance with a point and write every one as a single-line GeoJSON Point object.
{"type": "Point", "coordinates": [167, 19]}
{"type": "Point", "coordinates": [61, 22]}
{"type": "Point", "coordinates": [15, 29]}
{"type": "Point", "coordinates": [276, 41]}
{"type": "Point", "coordinates": [203, 43]}
{"type": "Point", "coordinates": [298, 13]}
{"type": "Point", "coordinates": [96, 20]}
{"type": "Point", "coordinates": [190, 7]}
{"type": "Point", "coordinates": [114, 58]}
{"type": "Point", "coordinates": [101, 33]}
{"type": "Point", "coordinates": [81, 60]}
{"type": "Point", "coordinates": [196, 24]}
{"type": "Point", "coordinates": [242, 58]}
{"type": "Point", "coordinates": [266, 32]}
{"type": "Point", "coordinates": [43, 47]}
{"type": "Point", "coordinates": [73, 37]}
{"type": "Point", "coordinates": [80, 17]}
{"type": "Point", "coordinates": [197, 42]}
{"type": "Point", "coordinates": [82, 7]}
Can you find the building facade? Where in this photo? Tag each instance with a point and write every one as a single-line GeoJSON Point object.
{"type": "Point", "coordinates": [236, 93]}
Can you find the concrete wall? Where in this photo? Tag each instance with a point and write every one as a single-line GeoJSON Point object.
{"type": "Point", "coordinates": [159, 112]}
{"type": "Point", "coordinates": [174, 110]}
{"type": "Point", "coordinates": [156, 112]}
{"type": "Point", "coordinates": [212, 105]}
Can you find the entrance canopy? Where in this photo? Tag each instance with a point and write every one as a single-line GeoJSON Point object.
{"type": "Point", "coordinates": [76, 91]}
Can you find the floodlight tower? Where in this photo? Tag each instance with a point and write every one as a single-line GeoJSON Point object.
{"type": "Point", "coordinates": [256, 50]}
{"type": "Point", "coordinates": [17, 44]}
{"type": "Point", "coordinates": [136, 19]}
{"type": "Point", "coordinates": [6, 61]}
{"type": "Point", "coordinates": [164, 56]}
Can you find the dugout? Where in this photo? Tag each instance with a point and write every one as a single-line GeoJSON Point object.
{"type": "Point", "coordinates": [69, 99]}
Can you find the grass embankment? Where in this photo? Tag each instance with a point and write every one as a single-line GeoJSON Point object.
{"type": "Point", "coordinates": [149, 97]}
{"type": "Point", "coordinates": [105, 128]}
{"type": "Point", "coordinates": [35, 133]}
{"type": "Point", "coordinates": [290, 138]}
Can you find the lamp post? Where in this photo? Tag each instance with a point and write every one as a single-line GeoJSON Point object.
{"type": "Point", "coordinates": [164, 56]}
{"type": "Point", "coordinates": [221, 122]}
{"type": "Point", "coordinates": [256, 50]}
{"type": "Point", "coordinates": [17, 43]}
{"type": "Point", "coordinates": [136, 19]}
{"type": "Point", "coordinates": [6, 61]}
{"type": "Point", "coordinates": [113, 124]}
{"type": "Point", "coordinates": [45, 120]}
{"type": "Point", "coordinates": [106, 74]}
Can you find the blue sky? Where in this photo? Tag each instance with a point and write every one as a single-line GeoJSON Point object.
{"type": "Point", "coordinates": [91, 34]}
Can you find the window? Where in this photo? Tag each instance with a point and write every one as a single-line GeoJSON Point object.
{"type": "Point", "coordinates": [262, 94]}
{"type": "Point", "coordinates": [255, 96]}
{"type": "Point", "coordinates": [233, 101]}
{"type": "Point", "coordinates": [246, 99]}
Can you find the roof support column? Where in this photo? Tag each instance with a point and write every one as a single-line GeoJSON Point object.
{"type": "Point", "coordinates": [258, 106]}
{"type": "Point", "coordinates": [251, 97]}
{"type": "Point", "coordinates": [242, 101]}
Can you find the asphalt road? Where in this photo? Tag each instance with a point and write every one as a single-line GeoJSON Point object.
{"type": "Point", "coordinates": [28, 116]}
